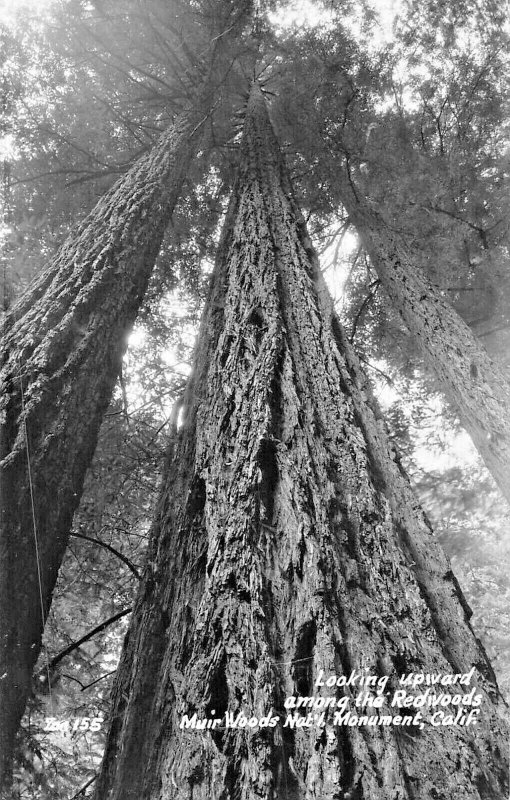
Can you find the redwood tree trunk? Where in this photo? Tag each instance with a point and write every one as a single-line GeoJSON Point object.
{"type": "Point", "coordinates": [287, 541]}
{"type": "Point", "coordinates": [62, 346]}
{"type": "Point", "coordinates": [472, 382]}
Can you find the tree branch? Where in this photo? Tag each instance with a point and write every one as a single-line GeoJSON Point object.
{"type": "Point", "coordinates": [377, 369]}
{"type": "Point", "coordinates": [115, 552]}
{"type": "Point", "coordinates": [102, 677]}
{"type": "Point", "coordinates": [372, 289]}
{"type": "Point", "coordinates": [74, 645]}
{"type": "Point", "coordinates": [85, 786]}
{"type": "Point", "coordinates": [482, 233]}
{"type": "Point", "coordinates": [495, 330]}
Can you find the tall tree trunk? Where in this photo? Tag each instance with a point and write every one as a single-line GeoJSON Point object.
{"type": "Point", "coordinates": [62, 346]}
{"type": "Point", "coordinates": [287, 541]}
{"type": "Point", "coordinates": [472, 382]}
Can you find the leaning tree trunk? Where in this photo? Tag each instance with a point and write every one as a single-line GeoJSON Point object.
{"type": "Point", "coordinates": [473, 383]}
{"type": "Point", "coordinates": [62, 349]}
{"type": "Point", "coordinates": [287, 542]}
{"type": "Point", "coordinates": [62, 346]}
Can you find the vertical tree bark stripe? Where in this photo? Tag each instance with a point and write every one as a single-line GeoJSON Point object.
{"type": "Point", "coordinates": [62, 346]}
{"type": "Point", "coordinates": [475, 385]}
{"type": "Point", "coordinates": [63, 343]}
{"type": "Point", "coordinates": [286, 541]}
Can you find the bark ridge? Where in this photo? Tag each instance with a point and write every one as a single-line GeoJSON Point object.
{"type": "Point", "coordinates": [287, 541]}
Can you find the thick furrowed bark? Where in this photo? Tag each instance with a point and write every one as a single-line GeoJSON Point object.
{"type": "Point", "coordinates": [286, 541]}
{"type": "Point", "coordinates": [61, 352]}
{"type": "Point", "coordinates": [62, 346]}
{"type": "Point", "coordinates": [471, 381]}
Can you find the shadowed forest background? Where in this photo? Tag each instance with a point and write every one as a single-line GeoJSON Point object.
{"type": "Point", "coordinates": [404, 105]}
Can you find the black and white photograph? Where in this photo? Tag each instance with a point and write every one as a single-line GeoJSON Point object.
{"type": "Point", "coordinates": [254, 400]}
